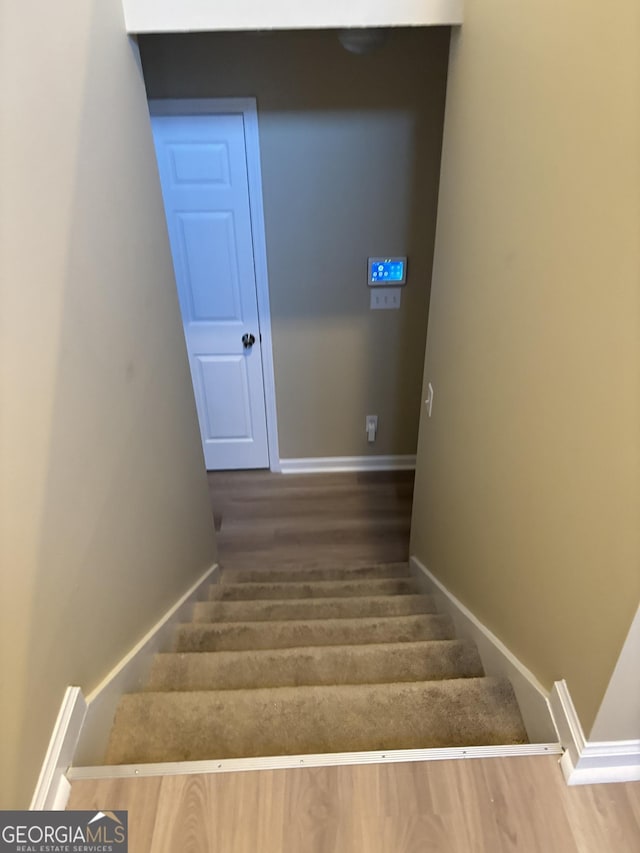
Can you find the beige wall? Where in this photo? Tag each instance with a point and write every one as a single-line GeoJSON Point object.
{"type": "Point", "coordinates": [528, 491]}
{"type": "Point", "coordinates": [104, 514]}
{"type": "Point", "coordinates": [350, 151]}
{"type": "Point", "coordinates": [618, 717]}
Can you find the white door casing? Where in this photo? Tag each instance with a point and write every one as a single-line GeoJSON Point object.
{"type": "Point", "coordinates": [209, 171]}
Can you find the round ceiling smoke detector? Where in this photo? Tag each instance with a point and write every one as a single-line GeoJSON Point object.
{"type": "Point", "coordinates": [362, 41]}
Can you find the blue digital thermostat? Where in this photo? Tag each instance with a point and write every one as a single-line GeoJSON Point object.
{"type": "Point", "coordinates": [387, 272]}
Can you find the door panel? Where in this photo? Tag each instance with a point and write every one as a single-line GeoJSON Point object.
{"type": "Point", "coordinates": [224, 378]}
{"type": "Point", "coordinates": [207, 242]}
{"type": "Point", "coordinates": [205, 163]}
{"type": "Point", "coordinates": [203, 171]}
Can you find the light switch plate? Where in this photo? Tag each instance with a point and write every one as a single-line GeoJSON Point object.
{"type": "Point", "coordinates": [385, 298]}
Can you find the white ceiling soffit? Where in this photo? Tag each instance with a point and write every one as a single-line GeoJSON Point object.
{"type": "Point", "coordinates": [164, 16]}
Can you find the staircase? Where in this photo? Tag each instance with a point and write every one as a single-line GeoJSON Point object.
{"type": "Point", "coordinates": [289, 661]}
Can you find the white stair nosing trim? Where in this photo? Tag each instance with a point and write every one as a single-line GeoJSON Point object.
{"type": "Point", "coordinates": [131, 671]}
{"type": "Point", "coordinates": [332, 759]}
{"type": "Point", "coordinates": [52, 789]}
{"type": "Point", "coordinates": [337, 464]}
{"type": "Point", "coordinates": [496, 658]}
{"type": "Point", "coordinates": [595, 762]}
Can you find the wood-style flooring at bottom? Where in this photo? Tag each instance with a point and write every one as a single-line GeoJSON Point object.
{"type": "Point", "coordinates": [464, 806]}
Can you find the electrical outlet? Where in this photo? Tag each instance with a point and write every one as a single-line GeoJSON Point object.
{"type": "Point", "coordinates": [385, 298]}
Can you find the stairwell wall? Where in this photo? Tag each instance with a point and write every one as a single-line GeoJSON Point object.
{"type": "Point", "coordinates": [350, 154]}
{"type": "Point", "coordinates": [528, 484]}
{"type": "Point", "coordinates": [104, 512]}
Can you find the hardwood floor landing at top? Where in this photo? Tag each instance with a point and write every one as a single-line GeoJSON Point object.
{"type": "Point", "coordinates": [274, 519]}
{"type": "Point", "coordinates": [495, 805]}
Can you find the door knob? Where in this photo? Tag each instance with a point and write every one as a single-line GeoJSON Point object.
{"type": "Point", "coordinates": [248, 340]}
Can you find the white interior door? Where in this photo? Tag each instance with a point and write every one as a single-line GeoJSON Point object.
{"type": "Point", "coordinates": [203, 170]}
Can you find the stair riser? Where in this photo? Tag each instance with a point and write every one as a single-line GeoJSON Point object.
{"type": "Point", "coordinates": [318, 608]}
{"type": "Point", "coordinates": [290, 721]}
{"type": "Point", "coordinates": [309, 666]}
{"type": "Point", "coordinates": [321, 589]}
{"type": "Point", "coordinates": [269, 635]}
{"type": "Point", "coordinates": [389, 572]}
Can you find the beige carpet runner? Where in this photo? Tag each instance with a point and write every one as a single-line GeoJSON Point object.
{"type": "Point", "coordinates": [287, 662]}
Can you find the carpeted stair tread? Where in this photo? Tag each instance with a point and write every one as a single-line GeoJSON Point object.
{"type": "Point", "coordinates": [350, 607]}
{"type": "Point", "coordinates": [194, 725]}
{"type": "Point", "coordinates": [330, 573]}
{"type": "Point", "coordinates": [312, 589]}
{"type": "Point", "coordinates": [228, 636]}
{"type": "Point", "coordinates": [372, 664]}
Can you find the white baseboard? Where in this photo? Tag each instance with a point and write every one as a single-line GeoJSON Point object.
{"type": "Point", "coordinates": [329, 464]}
{"type": "Point", "coordinates": [595, 762]}
{"type": "Point", "coordinates": [52, 790]}
{"type": "Point", "coordinates": [131, 673]}
{"type": "Point", "coordinates": [496, 658]}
